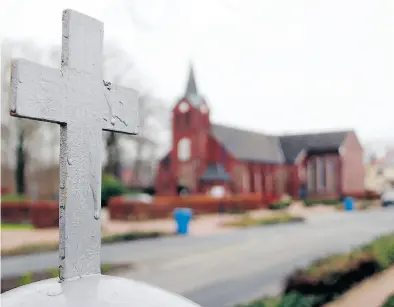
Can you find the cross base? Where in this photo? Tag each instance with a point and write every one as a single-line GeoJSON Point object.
{"type": "Point", "coordinates": [92, 291]}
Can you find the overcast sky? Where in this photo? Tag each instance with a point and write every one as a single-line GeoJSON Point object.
{"type": "Point", "coordinates": [275, 66]}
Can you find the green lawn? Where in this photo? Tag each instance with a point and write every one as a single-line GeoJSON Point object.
{"type": "Point", "coordinates": [5, 226]}
{"type": "Point", "coordinates": [12, 197]}
{"type": "Point", "coordinates": [315, 285]}
{"type": "Point", "coordinates": [47, 247]}
{"type": "Point", "coordinates": [248, 221]}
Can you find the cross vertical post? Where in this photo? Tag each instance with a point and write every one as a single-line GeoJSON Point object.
{"type": "Point", "coordinates": [77, 98]}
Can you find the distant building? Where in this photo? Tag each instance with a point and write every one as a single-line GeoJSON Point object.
{"type": "Point", "coordinates": [205, 156]}
{"type": "Point", "coordinates": [379, 173]}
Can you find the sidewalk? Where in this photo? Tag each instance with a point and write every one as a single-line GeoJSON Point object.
{"type": "Point", "coordinates": [204, 225]}
{"type": "Point", "coordinates": [370, 293]}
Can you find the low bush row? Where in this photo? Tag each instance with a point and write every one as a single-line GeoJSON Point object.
{"type": "Point", "coordinates": [389, 302]}
{"type": "Point", "coordinates": [40, 214]}
{"type": "Point", "coordinates": [163, 206]}
{"type": "Point", "coordinates": [328, 278]}
{"type": "Point", "coordinates": [9, 283]}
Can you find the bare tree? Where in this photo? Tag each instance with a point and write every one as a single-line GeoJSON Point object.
{"type": "Point", "coordinates": [19, 131]}
{"type": "Point", "coordinates": [153, 115]}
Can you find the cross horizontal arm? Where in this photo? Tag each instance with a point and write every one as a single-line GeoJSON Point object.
{"type": "Point", "coordinates": [122, 106]}
{"type": "Point", "coordinates": [37, 92]}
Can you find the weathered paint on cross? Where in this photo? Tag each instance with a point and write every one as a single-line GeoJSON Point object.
{"type": "Point", "coordinates": [77, 98]}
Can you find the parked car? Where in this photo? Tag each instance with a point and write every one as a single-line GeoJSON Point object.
{"type": "Point", "coordinates": [387, 198]}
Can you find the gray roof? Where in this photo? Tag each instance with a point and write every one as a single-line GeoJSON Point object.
{"type": "Point", "coordinates": [215, 171]}
{"type": "Point", "coordinates": [191, 93]}
{"type": "Point", "coordinates": [292, 145]}
{"type": "Point", "coordinates": [247, 145]}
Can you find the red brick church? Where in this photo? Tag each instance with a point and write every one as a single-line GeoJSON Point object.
{"type": "Point", "coordinates": [206, 157]}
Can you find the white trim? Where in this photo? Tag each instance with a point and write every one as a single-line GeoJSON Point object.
{"type": "Point", "coordinates": [341, 150]}
{"type": "Point", "coordinates": [299, 155]}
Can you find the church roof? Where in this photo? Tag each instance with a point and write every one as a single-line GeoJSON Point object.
{"type": "Point", "coordinates": [292, 145]}
{"type": "Point", "coordinates": [192, 94]}
{"type": "Point", "coordinates": [259, 147]}
{"type": "Point", "coordinates": [248, 145]}
{"type": "Point", "coordinates": [215, 172]}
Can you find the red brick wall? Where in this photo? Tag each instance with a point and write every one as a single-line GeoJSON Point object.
{"type": "Point", "coordinates": [352, 160]}
{"type": "Point", "coordinates": [328, 191]}
{"type": "Point", "coordinates": [195, 126]}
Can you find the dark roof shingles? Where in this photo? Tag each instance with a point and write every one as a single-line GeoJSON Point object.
{"type": "Point", "coordinates": [249, 146]}
{"type": "Point", "coordinates": [293, 145]}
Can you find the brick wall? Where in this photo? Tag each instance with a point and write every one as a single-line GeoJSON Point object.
{"type": "Point", "coordinates": [353, 171]}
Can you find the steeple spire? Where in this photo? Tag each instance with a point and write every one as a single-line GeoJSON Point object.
{"type": "Point", "coordinates": [191, 83]}
{"type": "Point", "coordinates": [191, 93]}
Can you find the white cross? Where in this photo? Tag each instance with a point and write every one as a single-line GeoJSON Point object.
{"type": "Point", "coordinates": [77, 98]}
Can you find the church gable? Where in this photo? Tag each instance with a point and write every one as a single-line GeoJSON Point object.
{"type": "Point", "coordinates": [316, 143]}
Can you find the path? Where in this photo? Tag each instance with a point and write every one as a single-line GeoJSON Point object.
{"type": "Point", "coordinates": [370, 293]}
{"type": "Point", "coordinates": [202, 226]}
{"type": "Point", "coordinates": [222, 270]}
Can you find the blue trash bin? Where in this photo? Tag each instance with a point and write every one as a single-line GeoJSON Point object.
{"type": "Point", "coordinates": [182, 217]}
{"type": "Point", "coordinates": [348, 204]}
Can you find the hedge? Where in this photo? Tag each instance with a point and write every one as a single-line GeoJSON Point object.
{"type": "Point", "coordinates": [279, 206]}
{"type": "Point", "coordinates": [45, 214]}
{"type": "Point", "coordinates": [162, 207]}
{"type": "Point", "coordinates": [389, 302]}
{"type": "Point", "coordinates": [15, 211]}
{"type": "Point", "coordinates": [313, 202]}
{"type": "Point", "coordinates": [330, 277]}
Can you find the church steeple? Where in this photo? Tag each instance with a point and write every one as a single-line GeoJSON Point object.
{"type": "Point", "coordinates": [191, 83]}
{"type": "Point", "coordinates": [191, 93]}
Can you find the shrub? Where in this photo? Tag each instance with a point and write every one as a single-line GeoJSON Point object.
{"type": "Point", "coordinates": [110, 187]}
{"type": "Point", "coordinates": [163, 206]}
{"type": "Point", "coordinates": [389, 302]}
{"type": "Point", "coordinates": [279, 206]}
{"type": "Point", "coordinates": [15, 211]}
{"type": "Point", "coordinates": [293, 299]}
{"type": "Point", "coordinates": [330, 277]}
{"type": "Point", "coordinates": [45, 214]}
{"type": "Point", "coordinates": [327, 278]}
{"type": "Point", "coordinates": [131, 236]}
{"type": "Point", "coordinates": [313, 202]}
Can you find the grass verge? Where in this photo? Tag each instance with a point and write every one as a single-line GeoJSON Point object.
{"type": "Point", "coordinates": [10, 283]}
{"type": "Point", "coordinates": [48, 247]}
{"type": "Point", "coordinates": [10, 226]}
{"type": "Point", "coordinates": [328, 278]}
{"type": "Point", "coordinates": [12, 197]}
{"type": "Point", "coordinates": [248, 221]}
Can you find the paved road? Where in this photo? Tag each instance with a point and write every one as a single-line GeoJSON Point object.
{"type": "Point", "coordinates": [223, 270]}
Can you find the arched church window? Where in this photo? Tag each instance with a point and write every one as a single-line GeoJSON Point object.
{"type": "Point", "coordinates": [184, 149]}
